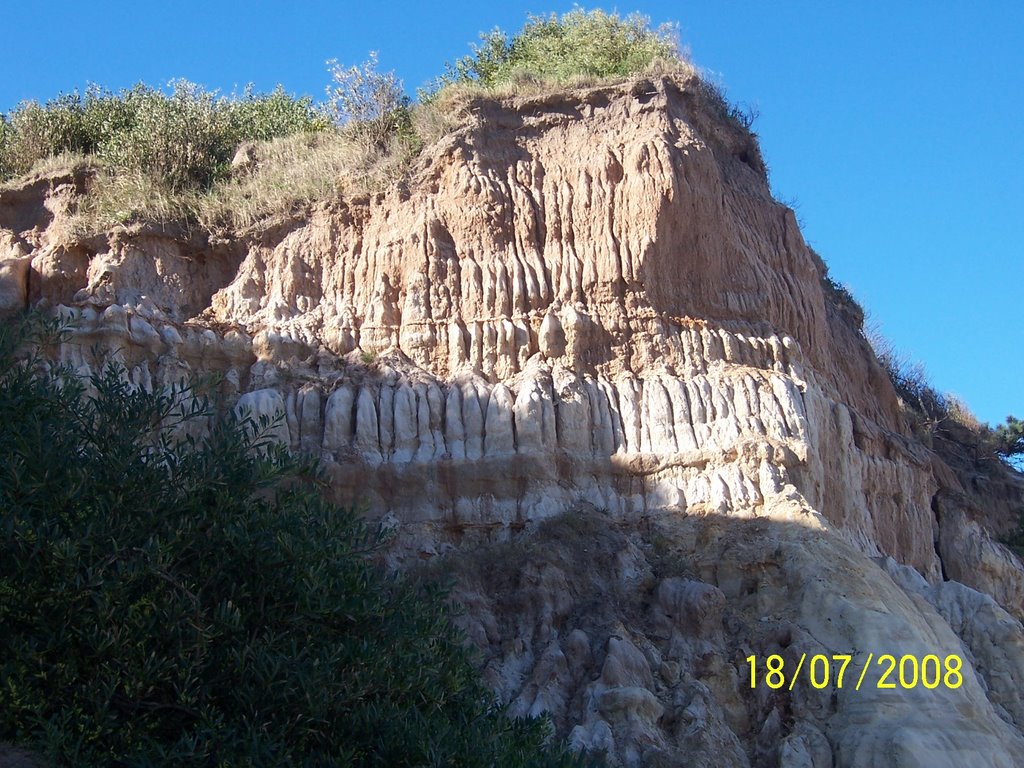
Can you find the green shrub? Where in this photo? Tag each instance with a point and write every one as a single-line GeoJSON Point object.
{"type": "Point", "coordinates": [71, 123]}
{"type": "Point", "coordinates": [261, 117]}
{"type": "Point", "coordinates": [584, 44]}
{"type": "Point", "coordinates": [588, 43]}
{"type": "Point", "coordinates": [194, 602]}
{"type": "Point", "coordinates": [184, 139]}
{"type": "Point", "coordinates": [45, 131]}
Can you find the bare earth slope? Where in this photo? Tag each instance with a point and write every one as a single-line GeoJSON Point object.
{"type": "Point", "coordinates": [588, 307]}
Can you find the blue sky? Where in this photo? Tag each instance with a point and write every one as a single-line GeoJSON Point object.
{"type": "Point", "coordinates": [894, 128]}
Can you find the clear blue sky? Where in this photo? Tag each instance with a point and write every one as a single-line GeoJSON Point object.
{"type": "Point", "coordinates": [895, 128]}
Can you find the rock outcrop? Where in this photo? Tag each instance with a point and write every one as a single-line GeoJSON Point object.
{"type": "Point", "coordinates": [590, 300]}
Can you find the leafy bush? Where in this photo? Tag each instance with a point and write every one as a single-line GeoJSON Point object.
{"type": "Point", "coordinates": [261, 117]}
{"type": "Point", "coordinates": [187, 139]}
{"type": "Point", "coordinates": [579, 42]}
{"type": "Point", "coordinates": [370, 102]}
{"type": "Point", "coordinates": [184, 601]}
{"type": "Point", "coordinates": [184, 139]}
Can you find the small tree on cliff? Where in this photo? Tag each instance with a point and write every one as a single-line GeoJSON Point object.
{"type": "Point", "coordinates": [187, 602]}
{"type": "Point", "coordinates": [1009, 437]}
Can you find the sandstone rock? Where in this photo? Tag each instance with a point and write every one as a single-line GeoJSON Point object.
{"type": "Point", "coordinates": [245, 158]}
{"type": "Point", "coordinates": [338, 419]}
{"type": "Point", "coordinates": [805, 747]}
{"type": "Point", "coordinates": [405, 426]}
{"type": "Point", "coordinates": [367, 440]}
{"type": "Point", "coordinates": [499, 440]}
{"type": "Point", "coordinates": [14, 285]}
{"type": "Point", "coordinates": [691, 607]}
{"type": "Point", "coordinates": [266, 409]}
{"type": "Point", "coordinates": [552, 336]}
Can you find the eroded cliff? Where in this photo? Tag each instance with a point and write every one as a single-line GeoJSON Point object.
{"type": "Point", "coordinates": [590, 301]}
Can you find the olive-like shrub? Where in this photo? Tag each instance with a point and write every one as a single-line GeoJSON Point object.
{"type": "Point", "coordinates": [176, 596]}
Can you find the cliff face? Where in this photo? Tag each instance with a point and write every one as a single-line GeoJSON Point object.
{"type": "Point", "coordinates": [590, 301]}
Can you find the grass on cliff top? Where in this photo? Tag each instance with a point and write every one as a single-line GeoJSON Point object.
{"type": "Point", "coordinates": [276, 177]}
{"type": "Point", "coordinates": [166, 156]}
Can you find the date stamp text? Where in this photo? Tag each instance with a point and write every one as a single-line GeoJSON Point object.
{"type": "Point", "coordinates": [839, 670]}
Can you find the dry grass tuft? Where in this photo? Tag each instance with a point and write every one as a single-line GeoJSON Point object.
{"type": "Point", "coordinates": [299, 170]}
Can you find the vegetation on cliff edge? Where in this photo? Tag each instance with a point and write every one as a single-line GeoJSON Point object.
{"type": "Point", "coordinates": [167, 156]}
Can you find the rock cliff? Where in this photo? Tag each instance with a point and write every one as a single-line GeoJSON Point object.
{"type": "Point", "coordinates": [584, 360]}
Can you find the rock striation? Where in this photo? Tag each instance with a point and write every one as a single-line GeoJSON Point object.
{"type": "Point", "coordinates": [590, 300]}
